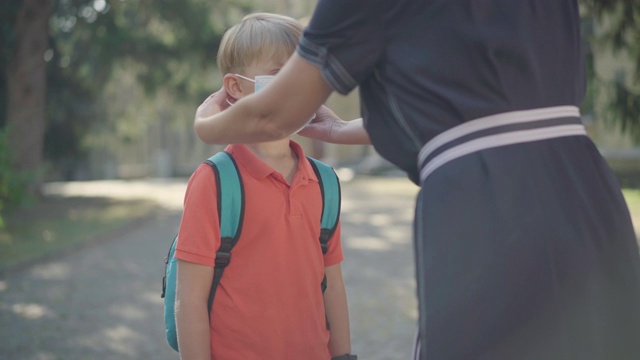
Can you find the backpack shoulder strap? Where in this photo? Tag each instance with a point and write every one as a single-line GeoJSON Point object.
{"type": "Point", "coordinates": [230, 212]}
{"type": "Point", "coordinates": [330, 189]}
{"type": "Point", "coordinates": [230, 203]}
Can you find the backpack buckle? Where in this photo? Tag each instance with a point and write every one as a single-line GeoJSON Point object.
{"type": "Point", "coordinates": [222, 259]}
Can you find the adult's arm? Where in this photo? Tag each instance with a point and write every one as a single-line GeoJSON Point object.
{"type": "Point", "coordinates": [192, 315]}
{"type": "Point", "coordinates": [278, 111]}
{"type": "Point", "coordinates": [336, 308]}
{"type": "Point", "coordinates": [328, 127]}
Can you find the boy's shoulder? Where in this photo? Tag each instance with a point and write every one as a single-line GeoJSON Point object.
{"type": "Point", "coordinates": [202, 171]}
{"type": "Point", "coordinates": [205, 176]}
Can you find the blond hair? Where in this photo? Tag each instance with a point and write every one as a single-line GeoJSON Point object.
{"type": "Point", "coordinates": [258, 37]}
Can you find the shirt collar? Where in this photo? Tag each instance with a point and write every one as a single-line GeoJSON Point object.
{"type": "Point", "coordinates": [258, 169]}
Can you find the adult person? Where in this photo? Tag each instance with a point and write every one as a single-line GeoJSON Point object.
{"type": "Point", "coordinates": [524, 246]}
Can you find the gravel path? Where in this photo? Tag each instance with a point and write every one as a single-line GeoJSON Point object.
{"type": "Point", "coordinates": [102, 302]}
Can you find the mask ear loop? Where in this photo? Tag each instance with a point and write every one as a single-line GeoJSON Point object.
{"type": "Point", "coordinates": [244, 77]}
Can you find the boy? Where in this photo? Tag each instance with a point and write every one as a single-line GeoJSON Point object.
{"type": "Point", "coordinates": [269, 303]}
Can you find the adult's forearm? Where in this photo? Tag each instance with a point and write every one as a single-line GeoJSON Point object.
{"type": "Point", "coordinates": [272, 114]}
{"type": "Point", "coordinates": [350, 132]}
{"type": "Point", "coordinates": [241, 123]}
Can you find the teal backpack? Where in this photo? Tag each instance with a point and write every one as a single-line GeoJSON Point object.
{"type": "Point", "coordinates": [231, 214]}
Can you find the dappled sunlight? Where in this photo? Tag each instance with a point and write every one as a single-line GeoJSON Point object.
{"type": "Point", "coordinates": [389, 186]}
{"type": "Point", "coordinates": [31, 311]}
{"type": "Point", "coordinates": [355, 218]}
{"type": "Point", "coordinates": [367, 243]}
{"type": "Point", "coordinates": [128, 311]}
{"type": "Point", "coordinates": [347, 205]}
{"type": "Point", "coordinates": [119, 339]}
{"type": "Point", "coordinates": [380, 219]}
{"type": "Point", "coordinates": [168, 193]}
{"type": "Point", "coordinates": [377, 215]}
{"type": "Point", "coordinates": [397, 235]}
{"type": "Point", "coordinates": [51, 271]}
{"type": "Point", "coordinates": [131, 267]}
{"type": "Point", "coordinates": [411, 312]}
{"type": "Point", "coordinates": [104, 301]}
{"type": "Point", "coordinates": [46, 356]}
{"type": "Point", "coordinates": [345, 174]}
{"type": "Point", "coordinates": [405, 291]}
{"type": "Point", "coordinates": [381, 225]}
{"type": "Point", "coordinates": [380, 239]}
{"type": "Point", "coordinates": [152, 297]}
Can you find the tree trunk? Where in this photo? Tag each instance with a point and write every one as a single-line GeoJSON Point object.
{"type": "Point", "coordinates": [27, 85]}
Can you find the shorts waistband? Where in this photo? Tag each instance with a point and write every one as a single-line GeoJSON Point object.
{"type": "Point", "coordinates": [499, 130]}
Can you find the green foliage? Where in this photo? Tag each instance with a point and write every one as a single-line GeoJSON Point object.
{"type": "Point", "coordinates": [7, 22]}
{"type": "Point", "coordinates": [92, 37]}
{"type": "Point", "coordinates": [619, 32]}
{"type": "Point", "coordinates": [13, 184]}
{"type": "Point", "coordinates": [624, 108]}
{"type": "Point", "coordinates": [165, 49]}
{"type": "Point", "coordinates": [166, 46]}
{"type": "Point", "coordinates": [61, 223]}
{"type": "Point", "coordinates": [72, 110]}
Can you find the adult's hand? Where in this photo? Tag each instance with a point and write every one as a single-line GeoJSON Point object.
{"type": "Point", "coordinates": [214, 104]}
{"type": "Point", "coordinates": [328, 127]}
{"type": "Point", "coordinates": [321, 125]}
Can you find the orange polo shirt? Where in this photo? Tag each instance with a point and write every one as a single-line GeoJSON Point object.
{"type": "Point", "coordinates": [269, 303]}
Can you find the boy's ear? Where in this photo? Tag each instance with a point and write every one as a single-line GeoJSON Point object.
{"type": "Point", "coordinates": [232, 86]}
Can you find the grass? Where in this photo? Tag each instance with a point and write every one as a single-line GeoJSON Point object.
{"type": "Point", "coordinates": [56, 224]}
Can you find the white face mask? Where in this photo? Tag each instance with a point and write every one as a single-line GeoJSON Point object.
{"type": "Point", "coordinates": [260, 81]}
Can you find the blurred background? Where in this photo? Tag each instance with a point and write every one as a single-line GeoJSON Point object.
{"type": "Point", "coordinates": [106, 89]}
{"type": "Point", "coordinates": [97, 99]}
{"type": "Point", "coordinates": [96, 89]}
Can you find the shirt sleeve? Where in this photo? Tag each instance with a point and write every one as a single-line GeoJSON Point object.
{"type": "Point", "coordinates": [345, 39]}
{"type": "Point", "coordinates": [334, 253]}
{"type": "Point", "coordinates": [199, 234]}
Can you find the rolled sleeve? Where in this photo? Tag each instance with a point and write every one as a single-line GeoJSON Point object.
{"type": "Point", "coordinates": [334, 253]}
{"type": "Point", "coordinates": [199, 234]}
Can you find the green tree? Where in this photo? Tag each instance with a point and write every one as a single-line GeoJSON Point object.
{"type": "Point", "coordinates": [614, 25]}
{"type": "Point", "coordinates": [56, 56]}
{"type": "Point", "coordinates": [25, 39]}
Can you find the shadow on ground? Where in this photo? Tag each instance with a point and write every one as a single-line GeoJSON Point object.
{"type": "Point", "coordinates": [102, 302]}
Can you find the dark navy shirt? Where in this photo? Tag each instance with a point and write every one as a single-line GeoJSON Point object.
{"type": "Point", "coordinates": [426, 66]}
